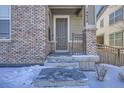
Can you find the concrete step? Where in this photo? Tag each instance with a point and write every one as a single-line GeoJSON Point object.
{"type": "Point", "coordinates": [60, 61]}
{"type": "Point", "coordinates": [84, 62]}
{"type": "Point", "coordinates": [52, 59]}
{"type": "Point", "coordinates": [63, 64]}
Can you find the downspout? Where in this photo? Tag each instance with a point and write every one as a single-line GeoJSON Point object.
{"type": "Point", "coordinates": [84, 33]}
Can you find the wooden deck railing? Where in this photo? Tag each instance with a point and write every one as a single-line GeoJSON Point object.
{"type": "Point", "coordinates": [111, 55]}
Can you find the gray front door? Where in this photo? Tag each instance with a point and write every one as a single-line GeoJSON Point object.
{"type": "Point", "coordinates": [61, 34]}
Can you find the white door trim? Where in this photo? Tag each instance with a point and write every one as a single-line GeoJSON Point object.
{"type": "Point", "coordinates": [54, 29]}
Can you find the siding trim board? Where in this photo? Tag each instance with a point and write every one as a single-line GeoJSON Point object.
{"type": "Point", "coordinates": [101, 11]}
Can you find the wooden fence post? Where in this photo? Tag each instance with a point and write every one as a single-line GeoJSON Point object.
{"type": "Point", "coordinates": [118, 57]}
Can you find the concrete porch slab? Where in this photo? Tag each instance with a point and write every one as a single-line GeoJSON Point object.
{"type": "Point", "coordinates": [60, 77]}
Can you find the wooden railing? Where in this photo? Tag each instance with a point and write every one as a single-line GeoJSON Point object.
{"type": "Point", "coordinates": [111, 55]}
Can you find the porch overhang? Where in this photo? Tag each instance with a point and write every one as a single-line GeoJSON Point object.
{"type": "Point", "coordinates": [66, 9]}
{"type": "Point", "coordinates": [65, 6]}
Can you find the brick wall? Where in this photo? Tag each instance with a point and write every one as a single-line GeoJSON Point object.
{"type": "Point", "coordinates": [29, 29]}
{"type": "Point", "coordinates": [91, 41]}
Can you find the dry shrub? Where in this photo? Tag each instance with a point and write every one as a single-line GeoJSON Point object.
{"type": "Point", "coordinates": [121, 76]}
{"type": "Point", "coordinates": [101, 71]}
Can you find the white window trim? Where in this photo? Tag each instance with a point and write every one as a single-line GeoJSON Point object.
{"type": "Point", "coordinates": [9, 26]}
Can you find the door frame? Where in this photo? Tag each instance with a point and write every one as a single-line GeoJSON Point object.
{"type": "Point", "coordinates": [68, 31]}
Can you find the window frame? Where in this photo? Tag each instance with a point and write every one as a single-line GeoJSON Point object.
{"type": "Point", "coordinates": [120, 15]}
{"type": "Point", "coordinates": [110, 19]}
{"type": "Point", "coordinates": [9, 39]}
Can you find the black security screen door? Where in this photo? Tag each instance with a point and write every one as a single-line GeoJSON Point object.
{"type": "Point", "coordinates": [61, 34]}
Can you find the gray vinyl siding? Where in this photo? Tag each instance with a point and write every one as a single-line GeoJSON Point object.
{"type": "Point", "coordinates": [75, 25]}
{"type": "Point", "coordinates": [91, 15]}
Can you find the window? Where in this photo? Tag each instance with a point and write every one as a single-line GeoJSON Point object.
{"type": "Point", "coordinates": [111, 19]}
{"type": "Point", "coordinates": [102, 23]}
{"type": "Point", "coordinates": [119, 39]}
{"type": "Point", "coordinates": [116, 39]}
{"type": "Point", "coordinates": [4, 22]}
{"type": "Point", "coordinates": [116, 16]}
{"type": "Point", "coordinates": [119, 15]}
{"type": "Point", "coordinates": [111, 39]}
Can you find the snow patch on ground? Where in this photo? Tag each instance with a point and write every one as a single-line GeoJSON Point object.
{"type": "Point", "coordinates": [111, 79]}
{"type": "Point", "coordinates": [17, 77]}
